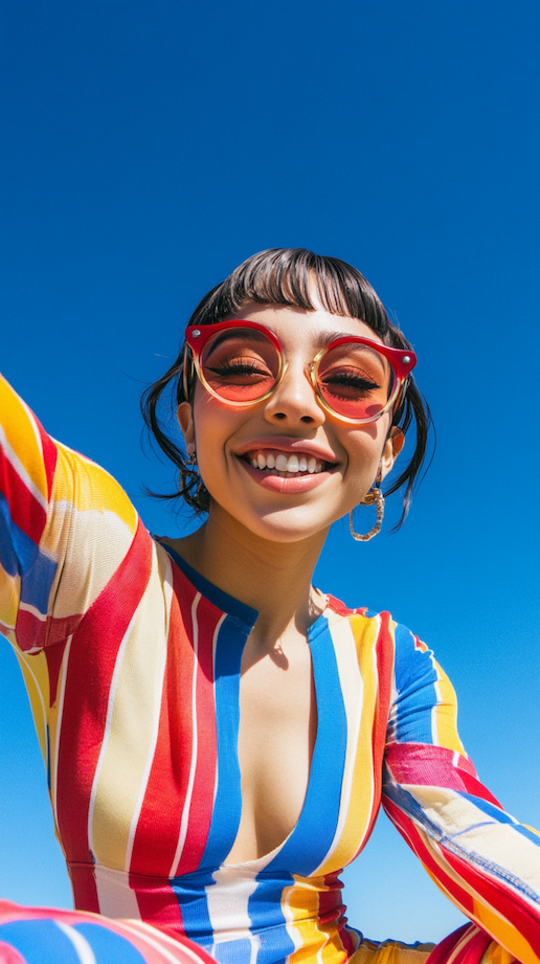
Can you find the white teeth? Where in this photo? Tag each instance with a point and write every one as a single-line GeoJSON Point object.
{"type": "Point", "coordinates": [285, 464]}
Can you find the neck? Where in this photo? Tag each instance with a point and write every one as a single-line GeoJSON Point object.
{"type": "Point", "coordinates": [272, 577]}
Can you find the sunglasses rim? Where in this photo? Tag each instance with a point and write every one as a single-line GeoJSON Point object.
{"type": "Point", "coordinates": [403, 357]}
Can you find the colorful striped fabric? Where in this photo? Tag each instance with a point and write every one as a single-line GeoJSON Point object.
{"type": "Point", "coordinates": [132, 663]}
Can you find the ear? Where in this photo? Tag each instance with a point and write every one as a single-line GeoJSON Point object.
{"type": "Point", "coordinates": [187, 425]}
{"type": "Point", "coordinates": [392, 447]}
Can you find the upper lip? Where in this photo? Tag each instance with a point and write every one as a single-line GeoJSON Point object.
{"type": "Point", "coordinates": [284, 444]}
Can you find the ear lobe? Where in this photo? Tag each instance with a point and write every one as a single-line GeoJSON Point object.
{"type": "Point", "coordinates": [392, 448]}
{"type": "Point", "coordinates": [187, 425]}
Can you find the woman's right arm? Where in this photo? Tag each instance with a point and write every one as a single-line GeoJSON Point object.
{"type": "Point", "coordinates": [65, 527]}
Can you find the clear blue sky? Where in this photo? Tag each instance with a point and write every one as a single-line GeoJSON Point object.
{"type": "Point", "coordinates": [147, 149]}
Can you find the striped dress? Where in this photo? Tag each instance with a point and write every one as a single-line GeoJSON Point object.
{"type": "Point", "coordinates": [132, 663]}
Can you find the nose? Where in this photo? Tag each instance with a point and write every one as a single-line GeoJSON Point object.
{"type": "Point", "coordinates": [294, 401]}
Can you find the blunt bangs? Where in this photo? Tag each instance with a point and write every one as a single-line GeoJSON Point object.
{"type": "Point", "coordinates": [297, 278]}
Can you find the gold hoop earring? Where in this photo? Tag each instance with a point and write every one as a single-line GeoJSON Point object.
{"type": "Point", "coordinates": [374, 495]}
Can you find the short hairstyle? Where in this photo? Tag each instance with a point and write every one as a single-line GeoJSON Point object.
{"type": "Point", "coordinates": [295, 277]}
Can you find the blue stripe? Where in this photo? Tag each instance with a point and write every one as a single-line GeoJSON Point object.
{"type": "Point", "coordinates": [312, 837]}
{"type": "Point", "coordinates": [218, 598]}
{"type": "Point", "coordinates": [109, 947]}
{"type": "Point", "coordinates": [228, 802]}
{"type": "Point", "coordinates": [19, 554]}
{"type": "Point", "coordinates": [499, 816]}
{"type": "Point", "coordinates": [8, 530]}
{"type": "Point", "coordinates": [268, 920]}
{"type": "Point", "coordinates": [415, 677]}
{"type": "Point", "coordinates": [190, 890]}
{"type": "Point", "coordinates": [233, 952]}
{"type": "Point", "coordinates": [39, 942]}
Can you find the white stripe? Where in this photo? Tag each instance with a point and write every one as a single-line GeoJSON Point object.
{"type": "Point", "coordinates": [290, 925]}
{"type": "Point", "coordinates": [28, 608]}
{"type": "Point", "coordinates": [459, 946]}
{"type": "Point", "coordinates": [61, 696]}
{"type": "Point", "coordinates": [108, 723]}
{"type": "Point", "coordinates": [172, 958]}
{"type": "Point", "coordinates": [214, 651]}
{"type": "Point", "coordinates": [456, 758]}
{"type": "Point", "coordinates": [227, 900]}
{"type": "Point", "coordinates": [352, 691]}
{"type": "Point", "coordinates": [115, 896]}
{"type": "Point", "coordinates": [81, 945]}
{"type": "Point", "coordinates": [167, 591]}
{"type": "Point", "coordinates": [194, 743]}
{"type": "Point", "coordinates": [15, 461]}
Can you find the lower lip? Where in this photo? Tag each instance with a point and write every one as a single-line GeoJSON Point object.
{"type": "Point", "coordinates": [276, 483]}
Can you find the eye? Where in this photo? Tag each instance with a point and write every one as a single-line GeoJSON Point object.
{"type": "Point", "coordinates": [240, 368]}
{"type": "Point", "coordinates": [349, 381]}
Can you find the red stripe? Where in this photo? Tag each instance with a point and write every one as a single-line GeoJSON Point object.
{"type": "Point", "coordinates": [83, 883]}
{"type": "Point", "coordinates": [470, 952]}
{"type": "Point", "coordinates": [26, 511]}
{"type": "Point", "coordinates": [8, 954]}
{"type": "Point", "coordinates": [89, 673]}
{"type": "Point", "coordinates": [332, 909]}
{"type": "Point", "coordinates": [416, 842]}
{"type": "Point", "coordinates": [442, 951]}
{"type": "Point", "coordinates": [158, 904]}
{"type": "Point", "coordinates": [134, 933]}
{"type": "Point", "coordinates": [54, 656]}
{"type": "Point", "coordinates": [168, 779]}
{"type": "Point", "coordinates": [500, 897]}
{"type": "Point", "coordinates": [33, 633]}
{"type": "Point", "coordinates": [50, 456]}
{"type": "Point", "coordinates": [422, 765]}
{"type": "Point", "coordinates": [384, 650]}
{"type": "Point", "coordinates": [202, 801]}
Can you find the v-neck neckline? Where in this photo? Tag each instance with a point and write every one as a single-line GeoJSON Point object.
{"type": "Point", "coordinates": [328, 752]}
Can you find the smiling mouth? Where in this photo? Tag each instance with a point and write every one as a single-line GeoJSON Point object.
{"type": "Point", "coordinates": [274, 462]}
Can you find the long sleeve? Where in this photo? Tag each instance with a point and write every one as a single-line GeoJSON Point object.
{"type": "Point", "coordinates": [483, 859]}
{"type": "Point", "coordinates": [65, 526]}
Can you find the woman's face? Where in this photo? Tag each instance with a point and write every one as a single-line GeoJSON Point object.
{"type": "Point", "coordinates": [338, 461]}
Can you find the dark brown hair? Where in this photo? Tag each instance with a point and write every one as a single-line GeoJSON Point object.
{"type": "Point", "coordinates": [289, 276]}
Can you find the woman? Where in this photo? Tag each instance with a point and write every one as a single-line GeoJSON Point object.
{"type": "Point", "coordinates": [217, 732]}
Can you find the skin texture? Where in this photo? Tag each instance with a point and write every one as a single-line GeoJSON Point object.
{"type": "Point", "coordinates": [261, 546]}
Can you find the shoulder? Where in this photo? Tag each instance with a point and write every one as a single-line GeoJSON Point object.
{"type": "Point", "coordinates": [412, 659]}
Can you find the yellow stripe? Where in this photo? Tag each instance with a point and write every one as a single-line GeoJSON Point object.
{"type": "Point", "coordinates": [20, 434]}
{"type": "Point", "coordinates": [360, 805]}
{"type": "Point", "coordinates": [506, 933]}
{"type": "Point", "coordinates": [313, 941]}
{"type": "Point", "coordinates": [36, 678]}
{"type": "Point", "coordinates": [134, 715]}
{"type": "Point", "coordinates": [10, 590]}
{"type": "Point", "coordinates": [446, 714]}
{"type": "Point", "coordinates": [485, 916]}
{"type": "Point", "coordinates": [87, 486]}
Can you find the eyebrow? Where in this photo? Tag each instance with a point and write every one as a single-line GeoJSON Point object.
{"type": "Point", "coordinates": [330, 336]}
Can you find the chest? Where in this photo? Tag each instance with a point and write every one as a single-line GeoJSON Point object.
{"type": "Point", "coordinates": [153, 744]}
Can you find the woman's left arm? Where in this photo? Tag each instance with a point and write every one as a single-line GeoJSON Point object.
{"type": "Point", "coordinates": [483, 859]}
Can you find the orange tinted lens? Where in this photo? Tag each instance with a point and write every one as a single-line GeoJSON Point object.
{"type": "Point", "coordinates": [240, 365]}
{"type": "Point", "coordinates": [355, 381]}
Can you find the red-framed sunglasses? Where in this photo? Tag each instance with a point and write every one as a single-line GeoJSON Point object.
{"type": "Point", "coordinates": [241, 363]}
